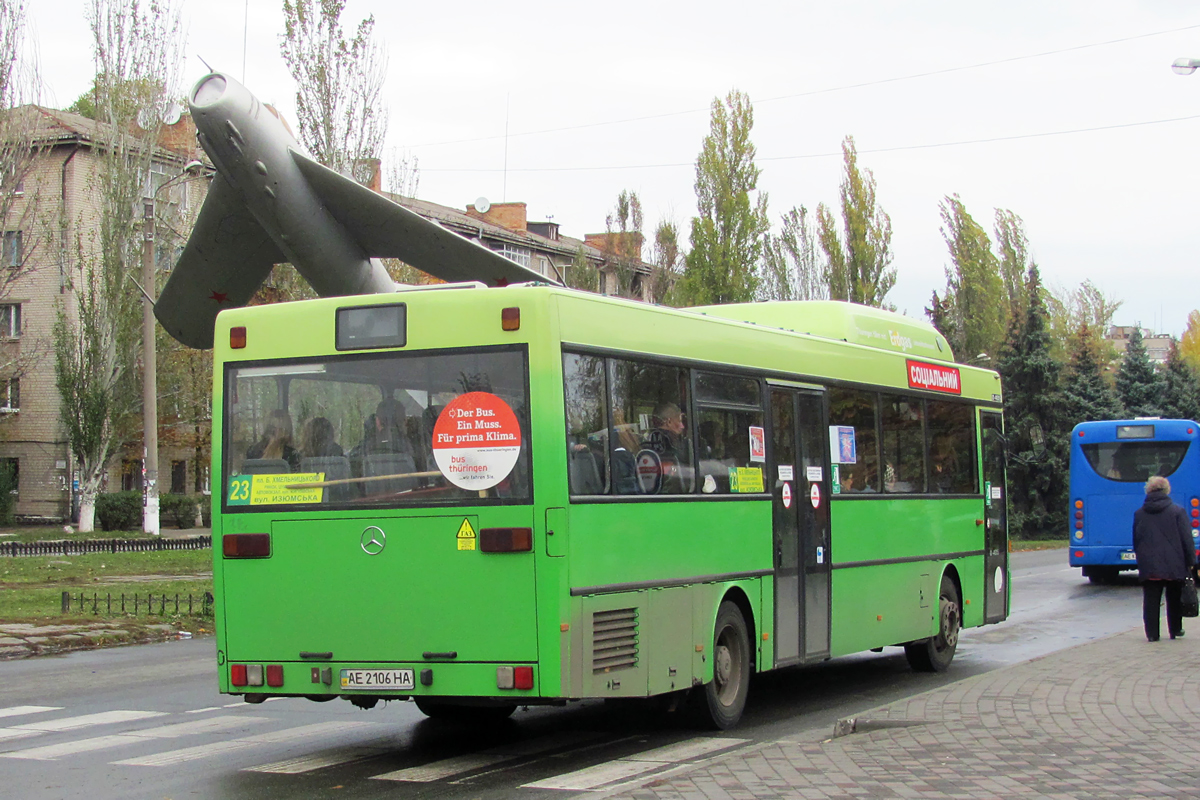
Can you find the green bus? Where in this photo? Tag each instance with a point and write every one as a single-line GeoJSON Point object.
{"type": "Point", "coordinates": [478, 498]}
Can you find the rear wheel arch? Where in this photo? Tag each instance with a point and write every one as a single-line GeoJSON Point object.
{"type": "Point", "coordinates": [738, 596]}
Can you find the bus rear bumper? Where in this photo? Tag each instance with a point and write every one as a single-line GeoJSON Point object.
{"type": "Point", "coordinates": [1121, 557]}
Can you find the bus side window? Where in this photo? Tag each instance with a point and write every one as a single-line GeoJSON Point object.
{"type": "Point", "coordinates": [583, 387]}
{"type": "Point", "coordinates": [656, 397]}
{"type": "Point", "coordinates": [856, 409]}
{"type": "Point", "coordinates": [952, 448]}
{"type": "Point", "coordinates": [903, 441]}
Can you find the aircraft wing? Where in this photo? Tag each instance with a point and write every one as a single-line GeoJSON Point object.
{"type": "Point", "coordinates": [388, 230]}
{"type": "Point", "coordinates": [226, 259]}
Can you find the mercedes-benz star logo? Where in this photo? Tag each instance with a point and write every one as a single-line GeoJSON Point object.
{"type": "Point", "coordinates": [372, 541]}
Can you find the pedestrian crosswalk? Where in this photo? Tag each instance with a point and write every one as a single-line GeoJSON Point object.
{"type": "Point", "coordinates": [160, 739]}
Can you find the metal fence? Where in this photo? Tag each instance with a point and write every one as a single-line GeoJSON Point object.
{"type": "Point", "coordinates": [68, 547]}
{"type": "Point", "coordinates": [161, 604]}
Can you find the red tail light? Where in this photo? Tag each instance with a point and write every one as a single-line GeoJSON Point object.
{"type": "Point", "coordinates": [274, 675]}
{"type": "Point", "coordinates": [506, 540]}
{"type": "Point", "coordinates": [523, 677]}
{"type": "Point", "coordinates": [246, 545]}
{"type": "Point", "coordinates": [237, 674]}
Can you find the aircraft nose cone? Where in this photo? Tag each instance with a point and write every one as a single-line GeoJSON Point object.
{"type": "Point", "coordinates": [208, 91]}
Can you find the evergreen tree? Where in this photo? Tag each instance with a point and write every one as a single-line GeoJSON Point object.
{"type": "Point", "coordinates": [1037, 481]}
{"type": "Point", "coordinates": [1139, 386]}
{"type": "Point", "coordinates": [1181, 387]}
{"type": "Point", "coordinates": [728, 235]}
{"type": "Point", "coordinates": [1086, 393]}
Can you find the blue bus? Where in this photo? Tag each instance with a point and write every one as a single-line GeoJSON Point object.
{"type": "Point", "coordinates": [1110, 464]}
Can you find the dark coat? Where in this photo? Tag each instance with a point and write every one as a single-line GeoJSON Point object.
{"type": "Point", "coordinates": [1162, 539]}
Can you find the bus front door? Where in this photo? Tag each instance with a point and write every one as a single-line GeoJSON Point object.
{"type": "Point", "coordinates": [995, 501]}
{"type": "Point", "coordinates": [801, 525]}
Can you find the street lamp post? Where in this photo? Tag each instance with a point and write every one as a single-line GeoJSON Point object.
{"type": "Point", "coordinates": [150, 357]}
{"type": "Point", "coordinates": [1185, 66]}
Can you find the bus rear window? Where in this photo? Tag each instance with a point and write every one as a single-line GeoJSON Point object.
{"type": "Point", "coordinates": [1134, 462]}
{"type": "Point", "coordinates": [377, 430]}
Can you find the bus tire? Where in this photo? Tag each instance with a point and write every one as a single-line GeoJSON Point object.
{"type": "Point", "coordinates": [453, 712]}
{"type": "Point", "coordinates": [935, 653]}
{"type": "Point", "coordinates": [1102, 575]}
{"type": "Point", "coordinates": [724, 697]}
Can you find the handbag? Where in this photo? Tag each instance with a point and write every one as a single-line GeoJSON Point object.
{"type": "Point", "coordinates": [1189, 603]}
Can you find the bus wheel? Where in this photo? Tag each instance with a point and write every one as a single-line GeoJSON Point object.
{"type": "Point", "coordinates": [725, 696]}
{"type": "Point", "coordinates": [936, 653]}
{"type": "Point", "coordinates": [1102, 575]}
{"type": "Point", "coordinates": [453, 712]}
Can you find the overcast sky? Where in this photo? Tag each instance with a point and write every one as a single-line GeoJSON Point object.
{"type": "Point", "coordinates": [1066, 113]}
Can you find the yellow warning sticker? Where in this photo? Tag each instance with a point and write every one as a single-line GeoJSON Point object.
{"type": "Point", "coordinates": [466, 536]}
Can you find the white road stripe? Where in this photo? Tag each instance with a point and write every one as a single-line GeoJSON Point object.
{"type": "Point", "coordinates": [16, 711]}
{"type": "Point", "coordinates": [173, 757]}
{"type": "Point", "coordinates": [637, 764]}
{"type": "Point", "coordinates": [213, 725]}
{"type": "Point", "coordinates": [457, 765]}
{"type": "Point", "coordinates": [296, 766]}
{"type": "Point", "coordinates": [88, 720]}
{"type": "Point", "coordinates": [437, 770]}
{"type": "Point", "coordinates": [204, 710]}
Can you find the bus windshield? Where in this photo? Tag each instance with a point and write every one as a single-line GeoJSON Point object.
{"type": "Point", "coordinates": [379, 429]}
{"type": "Point", "coordinates": [1134, 462]}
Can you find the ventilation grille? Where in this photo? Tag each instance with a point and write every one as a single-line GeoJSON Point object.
{"type": "Point", "coordinates": [614, 639]}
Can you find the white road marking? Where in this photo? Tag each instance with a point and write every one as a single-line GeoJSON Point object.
{"type": "Point", "coordinates": [213, 725]}
{"type": "Point", "coordinates": [16, 711]}
{"type": "Point", "coordinates": [173, 757]}
{"type": "Point", "coordinates": [296, 766]}
{"type": "Point", "coordinates": [438, 770]}
{"type": "Point", "coordinates": [637, 764]}
{"type": "Point", "coordinates": [204, 710]}
{"type": "Point", "coordinates": [85, 721]}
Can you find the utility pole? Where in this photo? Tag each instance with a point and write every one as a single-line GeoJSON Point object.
{"type": "Point", "coordinates": [149, 380]}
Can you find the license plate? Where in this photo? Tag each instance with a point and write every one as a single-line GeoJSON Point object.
{"type": "Point", "coordinates": [1129, 556]}
{"type": "Point", "coordinates": [377, 679]}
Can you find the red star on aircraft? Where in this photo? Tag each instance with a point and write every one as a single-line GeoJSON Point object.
{"type": "Point", "coordinates": [220, 297]}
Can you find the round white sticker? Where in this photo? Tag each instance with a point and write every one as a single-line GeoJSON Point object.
{"type": "Point", "coordinates": [476, 440]}
{"type": "Point", "coordinates": [787, 495]}
{"type": "Point", "coordinates": [998, 580]}
{"type": "Point", "coordinates": [649, 471]}
{"type": "Point", "coordinates": [814, 494]}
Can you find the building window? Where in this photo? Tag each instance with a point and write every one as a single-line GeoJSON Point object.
{"type": "Point", "coordinates": [11, 182]}
{"type": "Point", "coordinates": [10, 470]}
{"type": "Point", "coordinates": [520, 255]}
{"type": "Point", "coordinates": [10, 320]}
{"type": "Point", "coordinates": [178, 477]}
{"type": "Point", "coordinates": [10, 249]}
{"type": "Point", "coordinates": [10, 395]}
{"type": "Point", "coordinates": [131, 475]}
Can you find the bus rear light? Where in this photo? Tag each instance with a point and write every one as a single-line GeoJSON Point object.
{"type": "Point", "coordinates": [254, 675]}
{"type": "Point", "coordinates": [510, 319]}
{"type": "Point", "coordinates": [1079, 525]}
{"type": "Point", "coordinates": [1196, 512]}
{"type": "Point", "coordinates": [237, 674]}
{"type": "Point", "coordinates": [514, 678]}
{"type": "Point", "coordinates": [275, 675]}
{"type": "Point", "coordinates": [1078, 515]}
{"type": "Point", "coordinates": [1196, 523]}
{"type": "Point", "coordinates": [1079, 554]}
{"type": "Point", "coordinates": [237, 338]}
{"type": "Point", "coordinates": [1195, 502]}
{"type": "Point", "coordinates": [246, 545]}
{"type": "Point", "coordinates": [1079, 504]}
{"type": "Point", "coordinates": [506, 540]}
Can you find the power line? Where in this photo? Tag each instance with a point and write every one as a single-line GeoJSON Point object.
{"type": "Point", "coordinates": [813, 92]}
{"type": "Point", "coordinates": [897, 148]}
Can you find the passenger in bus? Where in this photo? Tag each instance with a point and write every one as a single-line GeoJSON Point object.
{"type": "Point", "coordinates": [276, 441]}
{"type": "Point", "coordinates": [1162, 540]}
{"type": "Point", "coordinates": [669, 439]}
{"type": "Point", "coordinates": [317, 439]}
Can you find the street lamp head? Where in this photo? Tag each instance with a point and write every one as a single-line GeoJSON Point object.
{"type": "Point", "coordinates": [193, 167]}
{"type": "Point", "coordinates": [1185, 66]}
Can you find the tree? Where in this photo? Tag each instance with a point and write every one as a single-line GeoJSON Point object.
{"type": "Point", "coordinates": [858, 263]}
{"type": "Point", "coordinates": [1139, 386]}
{"type": "Point", "coordinates": [1084, 305]}
{"type": "Point", "coordinates": [136, 50]}
{"type": "Point", "coordinates": [623, 244]}
{"type": "Point", "coordinates": [1181, 387]}
{"type": "Point", "coordinates": [1189, 345]}
{"type": "Point", "coordinates": [667, 257]}
{"type": "Point", "coordinates": [791, 270]}
{"type": "Point", "coordinates": [583, 274]}
{"type": "Point", "coordinates": [1012, 253]}
{"type": "Point", "coordinates": [973, 284]}
{"type": "Point", "coordinates": [727, 236]}
{"type": "Point", "coordinates": [339, 86]}
{"type": "Point", "coordinates": [1086, 391]}
{"type": "Point", "coordinates": [1032, 397]}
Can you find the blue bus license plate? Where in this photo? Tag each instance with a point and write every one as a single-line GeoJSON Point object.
{"type": "Point", "coordinates": [1129, 556]}
{"type": "Point", "coordinates": [375, 679]}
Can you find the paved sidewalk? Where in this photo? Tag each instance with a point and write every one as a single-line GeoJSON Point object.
{"type": "Point", "coordinates": [1114, 718]}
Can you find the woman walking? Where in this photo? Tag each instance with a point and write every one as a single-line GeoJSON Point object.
{"type": "Point", "coordinates": [1166, 554]}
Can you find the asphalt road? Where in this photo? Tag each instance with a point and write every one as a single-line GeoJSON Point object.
{"type": "Point", "coordinates": [147, 722]}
